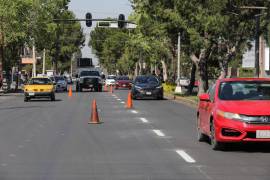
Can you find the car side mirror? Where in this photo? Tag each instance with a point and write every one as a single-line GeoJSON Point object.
{"type": "Point", "coordinates": [204, 97]}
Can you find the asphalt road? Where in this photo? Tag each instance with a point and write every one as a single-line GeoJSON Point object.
{"type": "Point", "coordinates": [44, 140]}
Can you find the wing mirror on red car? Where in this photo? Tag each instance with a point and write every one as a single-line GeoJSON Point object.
{"type": "Point", "coordinates": [204, 97]}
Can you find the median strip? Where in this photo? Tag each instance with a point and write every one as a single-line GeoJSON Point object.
{"type": "Point", "coordinates": [185, 156]}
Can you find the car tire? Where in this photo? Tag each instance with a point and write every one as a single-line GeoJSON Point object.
{"type": "Point", "coordinates": [133, 97]}
{"type": "Point", "coordinates": [216, 145]}
{"type": "Point", "coordinates": [52, 97]}
{"type": "Point", "coordinates": [26, 99]}
{"type": "Point", "coordinates": [200, 136]}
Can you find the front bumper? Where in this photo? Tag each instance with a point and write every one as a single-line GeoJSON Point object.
{"type": "Point", "coordinates": [38, 94]}
{"type": "Point", "coordinates": [126, 85]}
{"type": "Point", "coordinates": [147, 93]}
{"type": "Point", "coordinates": [236, 131]}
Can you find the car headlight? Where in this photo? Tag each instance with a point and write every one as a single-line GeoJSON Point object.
{"type": "Point", "coordinates": [229, 115]}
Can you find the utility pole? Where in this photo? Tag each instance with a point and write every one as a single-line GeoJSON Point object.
{"type": "Point", "coordinates": [178, 88]}
{"type": "Point", "coordinates": [257, 46]}
{"type": "Point", "coordinates": [44, 62]}
{"type": "Point", "coordinates": [34, 61]}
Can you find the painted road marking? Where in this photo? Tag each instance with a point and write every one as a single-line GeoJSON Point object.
{"type": "Point", "coordinates": [122, 102]}
{"type": "Point", "coordinates": [159, 132]}
{"type": "Point", "coordinates": [134, 112]}
{"type": "Point", "coordinates": [185, 156]}
{"type": "Point", "coordinates": [119, 100]}
{"type": "Point", "coordinates": [144, 120]}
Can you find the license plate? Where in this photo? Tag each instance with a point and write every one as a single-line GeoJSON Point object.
{"type": "Point", "coordinates": [263, 134]}
{"type": "Point", "coordinates": [148, 93]}
{"type": "Point", "coordinates": [124, 85]}
{"type": "Point", "coordinates": [31, 94]}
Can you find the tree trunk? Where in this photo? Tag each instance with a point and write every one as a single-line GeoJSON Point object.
{"type": "Point", "coordinates": [164, 70]}
{"type": "Point", "coordinates": [1, 56]}
{"type": "Point", "coordinates": [192, 78]}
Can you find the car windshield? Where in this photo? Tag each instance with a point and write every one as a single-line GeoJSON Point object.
{"type": "Point", "coordinates": [40, 81]}
{"type": "Point", "coordinates": [89, 73]}
{"type": "Point", "coordinates": [59, 78]}
{"type": "Point", "coordinates": [123, 78]}
{"type": "Point", "coordinates": [243, 90]}
{"type": "Point", "coordinates": [147, 80]}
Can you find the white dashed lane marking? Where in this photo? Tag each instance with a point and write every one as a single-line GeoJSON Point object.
{"type": "Point", "coordinates": [185, 156]}
{"type": "Point", "coordinates": [119, 100]}
{"type": "Point", "coordinates": [122, 102]}
{"type": "Point", "coordinates": [159, 132]}
{"type": "Point", "coordinates": [144, 120]}
{"type": "Point", "coordinates": [134, 112]}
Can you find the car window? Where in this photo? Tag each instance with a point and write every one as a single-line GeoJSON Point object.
{"type": "Point", "coordinates": [243, 90]}
{"type": "Point", "coordinates": [111, 77]}
{"type": "Point", "coordinates": [123, 78]}
{"type": "Point", "coordinates": [59, 78]}
{"type": "Point", "coordinates": [147, 80]}
{"type": "Point", "coordinates": [89, 73]}
{"type": "Point", "coordinates": [40, 81]}
{"type": "Point", "coordinates": [212, 93]}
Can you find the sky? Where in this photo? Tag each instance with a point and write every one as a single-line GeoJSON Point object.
{"type": "Point", "coordinates": [98, 9]}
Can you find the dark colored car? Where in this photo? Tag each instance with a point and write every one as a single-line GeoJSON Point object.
{"type": "Point", "coordinates": [123, 82]}
{"type": "Point", "coordinates": [147, 87]}
{"type": "Point", "coordinates": [89, 79]}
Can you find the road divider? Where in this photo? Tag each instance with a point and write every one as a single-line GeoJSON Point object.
{"type": "Point", "coordinates": [185, 156]}
{"type": "Point", "coordinates": [94, 119]}
{"type": "Point", "coordinates": [159, 133]}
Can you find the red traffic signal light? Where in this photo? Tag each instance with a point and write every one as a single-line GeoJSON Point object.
{"type": "Point", "coordinates": [88, 18]}
{"type": "Point", "coordinates": [121, 21]}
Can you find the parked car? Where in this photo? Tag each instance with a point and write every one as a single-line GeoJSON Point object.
{"type": "Point", "coordinates": [110, 80]}
{"type": "Point", "coordinates": [39, 87]}
{"type": "Point", "coordinates": [147, 87]}
{"type": "Point", "coordinates": [123, 82]}
{"type": "Point", "coordinates": [235, 110]}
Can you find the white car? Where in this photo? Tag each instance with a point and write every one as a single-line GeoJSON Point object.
{"type": "Point", "coordinates": [110, 80]}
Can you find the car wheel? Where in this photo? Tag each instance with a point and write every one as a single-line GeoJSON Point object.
{"type": "Point", "coordinates": [52, 97]}
{"type": "Point", "coordinates": [26, 99]}
{"type": "Point", "coordinates": [133, 97]}
{"type": "Point", "coordinates": [214, 143]}
{"type": "Point", "coordinates": [200, 136]}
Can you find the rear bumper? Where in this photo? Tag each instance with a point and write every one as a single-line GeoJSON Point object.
{"type": "Point", "coordinates": [246, 132]}
{"type": "Point", "coordinates": [147, 93]}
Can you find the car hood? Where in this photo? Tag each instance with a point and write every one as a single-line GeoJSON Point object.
{"type": "Point", "coordinates": [258, 107]}
{"type": "Point", "coordinates": [146, 86]}
{"type": "Point", "coordinates": [32, 87]}
{"type": "Point", "coordinates": [61, 81]}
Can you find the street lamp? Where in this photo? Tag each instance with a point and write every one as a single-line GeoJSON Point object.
{"type": "Point", "coordinates": [178, 88]}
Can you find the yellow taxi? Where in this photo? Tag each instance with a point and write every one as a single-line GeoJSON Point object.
{"type": "Point", "coordinates": [39, 87]}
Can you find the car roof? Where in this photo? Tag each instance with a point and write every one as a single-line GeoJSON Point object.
{"type": "Point", "coordinates": [243, 79]}
{"type": "Point", "coordinates": [40, 77]}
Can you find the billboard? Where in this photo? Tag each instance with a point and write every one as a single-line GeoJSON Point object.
{"type": "Point", "coordinates": [27, 60]}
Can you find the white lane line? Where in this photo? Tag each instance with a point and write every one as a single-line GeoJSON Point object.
{"type": "Point", "coordinates": [122, 102]}
{"type": "Point", "coordinates": [185, 156]}
{"type": "Point", "coordinates": [134, 112]}
{"type": "Point", "coordinates": [159, 132]}
{"type": "Point", "coordinates": [144, 120]}
{"type": "Point", "coordinates": [119, 100]}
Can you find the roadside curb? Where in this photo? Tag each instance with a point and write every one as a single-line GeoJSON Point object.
{"type": "Point", "coordinates": [182, 100]}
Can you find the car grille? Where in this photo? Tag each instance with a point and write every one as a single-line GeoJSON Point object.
{"type": "Point", "coordinates": [90, 80]}
{"type": "Point", "coordinates": [260, 120]}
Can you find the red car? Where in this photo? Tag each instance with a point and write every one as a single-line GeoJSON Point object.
{"type": "Point", "coordinates": [123, 82]}
{"type": "Point", "coordinates": [235, 110]}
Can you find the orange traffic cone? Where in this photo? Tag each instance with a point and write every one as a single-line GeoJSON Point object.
{"type": "Point", "coordinates": [94, 119]}
{"type": "Point", "coordinates": [129, 104]}
{"type": "Point", "coordinates": [111, 90]}
{"type": "Point", "coordinates": [70, 91]}
{"type": "Point", "coordinates": [105, 88]}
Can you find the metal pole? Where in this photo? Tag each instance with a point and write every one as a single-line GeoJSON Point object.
{"type": "Point", "coordinates": [34, 61]}
{"type": "Point", "coordinates": [44, 61]}
{"type": "Point", "coordinates": [257, 46]}
{"type": "Point", "coordinates": [178, 59]}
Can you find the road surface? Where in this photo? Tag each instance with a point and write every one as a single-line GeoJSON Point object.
{"type": "Point", "coordinates": [44, 140]}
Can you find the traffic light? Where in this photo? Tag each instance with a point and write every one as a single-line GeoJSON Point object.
{"type": "Point", "coordinates": [88, 18]}
{"type": "Point", "coordinates": [121, 21]}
